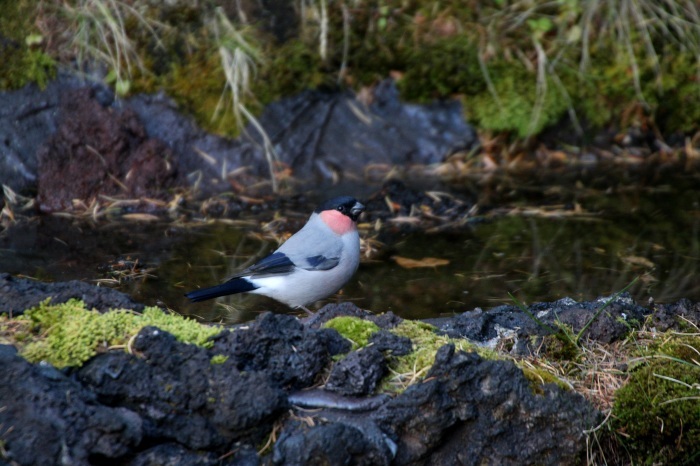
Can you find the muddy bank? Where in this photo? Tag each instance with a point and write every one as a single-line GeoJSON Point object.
{"type": "Point", "coordinates": [166, 401]}
{"type": "Point", "coordinates": [143, 146]}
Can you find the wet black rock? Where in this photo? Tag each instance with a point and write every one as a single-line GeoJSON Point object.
{"type": "Point", "coordinates": [333, 310]}
{"type": "Point", "coordinates": [27, 120]}
{"type": "Point", "coordinates": [49, 418]}
{"type": "Point", "coordinates": [358, 373]}
{"type": "Point", "coordinates": [612, 324]}
{"type": "Point", "coordinates": [316, 133]}
{"type": "Point", "coordinates": [328, 443]}
{"type": "Point", "coordinates": [681, 316]}
{"type": "Point", "coordinates": [182, 396]}
{"type": "Point", "coordinates": [20, 294]}
{"type": "Point", "coordinates": [469, 410]}
{"type": "Point", "coordinates": [291, 354]}
{"type": "Point", "coordinates": [173, 454]}
{"type": "Point", "coordinates": [384, 340]}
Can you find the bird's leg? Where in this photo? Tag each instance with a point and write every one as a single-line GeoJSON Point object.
{"type": "Point", "coordinates": [307, 310]}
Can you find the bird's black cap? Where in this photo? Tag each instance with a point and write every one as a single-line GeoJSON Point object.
{"type": "Point", "coordinates": [348, 205]}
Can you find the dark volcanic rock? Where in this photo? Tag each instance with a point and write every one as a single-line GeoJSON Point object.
{"type": "Point", "coordinates": [97, 151]}
{"type": "Point", "coordinates": [332, 310]}
{"type": "Point", "coordinates": [331, 444]}
{"type": "Point", "coordinates": [20, 294]}
{"type": "Point", "coordinates": [167, 403]}
{"type": "Point", "coordinates": [27, 120]}
{"type": "Point", "coordinates": [291, 354]}
{"type": "Point", "coordinates": [358, 373]}
{"type": "Point", "coordinates": [48, 418]}
{"type": "Point", "coordinates": [676, 316]}
{"type": "Point", "coordinates": [612, 324]}
{"type": "Point", "coordinates": [321, 134]}
{"type": "Point", "coordinates": [469, 410]}
{"type": "Point", "coordinates": [387, 320]}
{"type": "Point", "coordinates": [387, 341]}
{"type": "Point", "coordinates": [164, 121]}
{"type": "Point", "coordinates": [316, 133]}
{"type": "Point", "coordinates": [172, 454]}
{"type": "Point", "coordinates": [182, 396]}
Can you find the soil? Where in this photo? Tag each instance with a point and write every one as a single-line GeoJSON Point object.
{"type": "Point", "coordinates": [99, 152]}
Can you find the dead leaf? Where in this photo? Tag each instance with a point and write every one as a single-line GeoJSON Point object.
{"type": "Point", "coordinates": [407, 263]}
{"type": "Point", "coordinates": [140, 217]}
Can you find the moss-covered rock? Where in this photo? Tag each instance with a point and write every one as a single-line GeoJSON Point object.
{"type": "Point", "coordinates": [68, 334]}
{"type": "Point", "coordinates": [354, 329]}
{"type": "Point", "coordinates": [657, 413]}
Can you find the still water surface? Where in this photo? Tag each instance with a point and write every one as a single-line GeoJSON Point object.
{"type": "Point", "coordinates": [594, 245]}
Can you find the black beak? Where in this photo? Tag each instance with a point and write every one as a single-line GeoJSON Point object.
{"type": "Point", "coordinates": [356, 210]}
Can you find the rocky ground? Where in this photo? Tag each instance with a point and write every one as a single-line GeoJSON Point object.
{"type": "Point", "coordinates": [284, 390]}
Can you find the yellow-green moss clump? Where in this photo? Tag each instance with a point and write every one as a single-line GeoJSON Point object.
{"type": "Point", "coordinates": [68, 334]}
{"type": "Point", "coordinates": [355, 329]}
{"type": "Point", "coordinates": [406, 370]}
{"type": "Point", "coordinates": [409, 369]}
{"type": "Point", "coordinates": [219, 359]}
{"type": "Point", "coordinates": [657, 413]}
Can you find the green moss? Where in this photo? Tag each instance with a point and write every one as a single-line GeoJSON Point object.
{"type": "Point", "coordinates": [355, 329]}
{"type": "Point", "coordinates": [68, 334]}
{"type": "Point", "coordinates": [440, 48]}
{"type": "Point", "coordinates": [290, 68]}
{"type": "Point", "coordinates": [411, 368]}
{"type": "Point", "coordinates": [518, 109]}
{"type": "Point", "coordinates": [219, 359]}
{"type": "Point", "coordinates": [408, 369]}
{"type": "Point", "coordinates": [658, 410]}
{"type": "Point", "coordinates": [443, 68]}
{"type": "Point", "coordinates": [680, 94]}
{"type": "Point", "coordinates": [21, 55]}
{"type": "Point", "coordinates": [197, 85]}
{"type": "Point", "coordinates": [539, 377]}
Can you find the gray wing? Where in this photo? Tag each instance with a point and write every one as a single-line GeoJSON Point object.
{"type": "Point", "coordinates": [311, 249]}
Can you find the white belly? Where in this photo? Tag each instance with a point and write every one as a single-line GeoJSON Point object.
{"type": "Point", "coordinates": [303, 287]}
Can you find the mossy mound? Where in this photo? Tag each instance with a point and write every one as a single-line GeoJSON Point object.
{"type": "Point", "coordinates": [68, 334]}
{"type": "Point", "coordinates": [657, 413]}
{"type": "Point", "coordinates": [409, 369]}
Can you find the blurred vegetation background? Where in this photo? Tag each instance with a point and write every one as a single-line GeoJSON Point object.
{"type": "Point", "coordinates": [519, 67]}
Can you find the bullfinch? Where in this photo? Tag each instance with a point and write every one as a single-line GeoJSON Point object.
{"type": "Point", "coordinates": [311, 265]}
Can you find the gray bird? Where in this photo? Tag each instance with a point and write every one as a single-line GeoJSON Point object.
{"type": "Point", "coordinates": [312, 264]}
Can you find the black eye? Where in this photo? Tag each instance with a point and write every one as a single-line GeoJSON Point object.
{"type": "Point", "coordinates": [341, 208]}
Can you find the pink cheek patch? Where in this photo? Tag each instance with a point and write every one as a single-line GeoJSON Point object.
{"type": "Point", "coordinates": [339, 223]}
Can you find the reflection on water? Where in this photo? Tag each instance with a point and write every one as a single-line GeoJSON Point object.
{"type": "Point", "coordinates": [651, 233]}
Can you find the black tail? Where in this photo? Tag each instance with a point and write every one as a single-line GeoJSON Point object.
{"type": "Point", "coordinates": [237, 285]}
